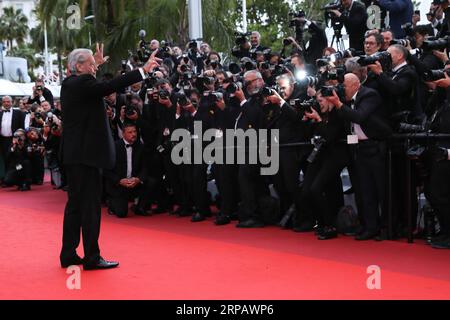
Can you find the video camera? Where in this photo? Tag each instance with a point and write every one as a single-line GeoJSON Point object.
{"type": "Point", "coordinates": [296, 19]}
{"type": "Point", "coordinates": [143, 50]}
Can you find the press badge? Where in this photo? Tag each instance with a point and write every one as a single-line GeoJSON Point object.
{"type": "Point", "coordinates": [352, 139]}
{"type": "Point", "coordinates": [19, 167]}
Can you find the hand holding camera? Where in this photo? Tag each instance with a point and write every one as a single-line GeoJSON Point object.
{"type": "Point", "coordinates": [313, 115]}
{"type": "Point", "coordinates": [376, 68]}
{"type": "Point", "coordinates": [334, 99]}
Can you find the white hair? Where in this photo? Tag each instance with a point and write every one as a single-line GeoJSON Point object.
{"type": "Point", "coordinates": [255, 72]}
{"type": "Point", "coordinates": [78, 56]}
{"type": "Point", "coordinates": [256, 33]}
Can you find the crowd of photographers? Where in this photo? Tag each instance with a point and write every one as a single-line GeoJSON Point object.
{"type": "Point", "coordinates": [333, 109]}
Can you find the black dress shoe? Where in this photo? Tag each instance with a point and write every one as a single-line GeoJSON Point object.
{"type": "Point", "coordinates": [24, 187]}
{"type": "Point", "coordinates": [366, 235]}
{"type": "Point", "coordinates": [72, 262]}
{"type": "Point", "coordinates": [141, 212]}
{"type": "Point", "coordinates": [251, 223]}
{"type": "Point", "coordinates": [438, 238]}
{"type": "Point", "coordinates": [185, 213]}
{"type": "Point", "coordinates": [304, 227]}
{"type": "Point", "coordinates": [101, 264]}
{"type": "Point", "coordinates": [443, 244]}
{"type": "Point", "coordinates": [222, 220]}
{"type": "Point", "coordinates": [328, 233]}
{"type": "Point", "coordinates": [198, 217]}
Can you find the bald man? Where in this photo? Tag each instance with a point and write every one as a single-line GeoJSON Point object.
{"type": "Point", "coordinates": [367, 132]}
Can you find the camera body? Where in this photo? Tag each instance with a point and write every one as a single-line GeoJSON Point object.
{"type": "Point", "coordinates": [383, 57]}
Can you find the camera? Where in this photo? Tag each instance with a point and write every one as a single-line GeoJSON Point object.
{"type": "Point", "coordinates": [143, 50]}
{"type": "Point", "coordinates": [433, 75]}
{"type": "Point", "coordinates": [234, 68]}
{"type": "Point", "coordinates": [39, 88]}
{"type": "Point", "coordinates": [287, 42]}
{"type": "Point", "coordinates": [383, 57]}
{"type": "Point", "coordinates": [317, 142]}
{"type": "Point", "coordinates": [164, 94]}
{"type": "Point", "coordinates": [296, 22]}
{"type": "Point", "coordinates": [233, 87]}
{"type": "Point", "coordinates": [308, 81]}
{"type": "Point", "coordinates": [327, 91]}
{"type": "Point", "coordinates": [408, 28]}
{"type": "Point", "coordinates": [241, 38]}
{"type": "Point", "coordinates": [19, 137]}
{"type": "Point", "coordinates": [336, 5]}
{"type": "Point", "coordinates": [304, 106]}
{"type": "Point", "coordinates": [182, 99]}
{"type": "Point", "coordinates": [214, 96]}
{"type": "Point", "coordinates": [438, 44]}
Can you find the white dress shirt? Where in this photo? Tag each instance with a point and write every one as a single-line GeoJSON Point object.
{"type": "Point", "coordinates": [129, 160]}
{"type": "Point", "coordinates": [356, 128]}
{"type": "Point", "coordinates": [6, 130]}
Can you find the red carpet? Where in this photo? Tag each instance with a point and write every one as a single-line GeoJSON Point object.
{"type": "Point", "coordinates": [164, 257]}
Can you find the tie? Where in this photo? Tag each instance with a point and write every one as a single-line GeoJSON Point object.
{"type": "Point", "coordinates": [129, 146]}
{"type": "Point", "coordinates": [6, 110]}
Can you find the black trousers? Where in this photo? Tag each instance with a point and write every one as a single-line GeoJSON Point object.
{"type": "Point", "coordinates": [14, 177]}
{"type": "Point", "coordinates": [438, 193]}
{"type": "Point", "coordinates": [252, 187]}
{"type": "Point", "coordinates": [119, 197]}
{"type": "Point", "coordinates": [5, 145]}
{"type": "Point", "coordinates": [370, 170]}
{"type": "Point", "coordinates": [228, 185]}
{"type": "Point", "coordinates": [286, 181]}
{"type": "Point", "coordinates": [82, 213]}
{"type": "Point", "coordinates": [37, 167]}
{"type": "Point", "coordinates": [322, 187]}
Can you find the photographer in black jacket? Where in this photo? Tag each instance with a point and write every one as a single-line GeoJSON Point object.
{"type": "Point", "coordinates": [354, 17]}
{"type": "Point", "coordinates": [18, 171]}
{"type": "Point", "coordinates": [361, 110]}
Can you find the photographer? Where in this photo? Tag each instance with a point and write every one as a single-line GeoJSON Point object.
{"type": "Point", "coordinates": [365, 124]}
{"type": "Point", "coordinates": [18, 171]}
{"type": "Point", "coordinates": [400, 82]}
{"type": "Point", "coordinates": [354, 17]}
{"type": "Point", "coordinates": [128, 179]}
{"type": "Point", "coordinates": [130, 112]}
{"type": "Point", "coordinates": [41, 93]}
{"type": "Point", "coordinates": [36, 151]}
{"type": "Point", "coordinates": [51, 136]}
{"type": "Point", "coordinates": [330, 156]}
{"type": "Point", "coordinates": [437, 187]}
{"type": "Point", "coordinates": [252, 186]}
{"type": "Point", "coordinates": [285, 113]}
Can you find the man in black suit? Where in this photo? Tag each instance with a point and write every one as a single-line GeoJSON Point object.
{"type": "Point", "coordinates": [400, 82]}
{"type": "Point", "coordinates": [10, 121]}
{"type": "Point", "coordinates": [128, 179]}
{"type": "Point", "coordinates": [86, 148]}
{"type": "Point", "coordinates": [400, 85]}
{"type": "Point", "coordinates": [252, 186]}
{"type": "Point", "coordinates": [369, 130]}
{"type": "Point", "coordinates": [354, 18]}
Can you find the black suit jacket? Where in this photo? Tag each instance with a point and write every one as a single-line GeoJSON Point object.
{"type": "Point", "coordinates": [367, 113]}
{"type": "Point", "coordinates": [119, 172]}
{"type": "Point", "coordinates": [355, 23]}
{"type": "Point", "coordinates": [401, 88]}
{"type": "Point", "coordinates": [87, 135]}
{"type": "Point", "coordinates": [18, 119]}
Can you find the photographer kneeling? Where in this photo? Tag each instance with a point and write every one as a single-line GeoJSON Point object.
{"type": "Point", "coordinates": [367, 132]}
{"type": "Point", "coordinates": [18, 171]}
{"type": "Point", "coordinates": [127, 180]}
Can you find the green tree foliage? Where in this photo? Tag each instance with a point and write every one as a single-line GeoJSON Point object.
{"type": "Point", "coordinates": [13, 26]}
